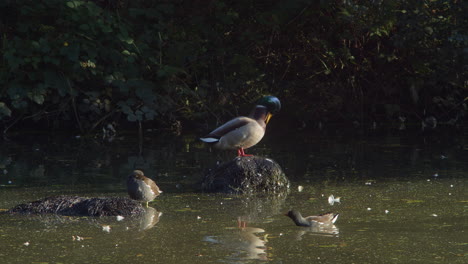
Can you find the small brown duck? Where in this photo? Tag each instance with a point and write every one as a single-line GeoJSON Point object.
{"type": "Point", "coordinates": [244, 132]}
{"type": "Point", "coordinates": [324, 219]}
{"type": "Point", "coordinates": [142, 188]}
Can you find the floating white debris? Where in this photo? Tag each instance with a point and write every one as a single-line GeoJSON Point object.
{"type": "Point", "coordinates": [26, 243]}
{"type": "Point", "coordinates": [387, 211]}
{"type": "Point", "coordinates": [106, 228]}
{"type": "Point", "coordinates": [332, 200]}
{"type": "Point", "coordinates": [10, 182]}
{"type": "Point", "coordinates": [77, 238]}
{"type": "Point", "coordinates": [368, 183]}
{"type": "Point", "coordinates": [368, 208]}
{"type": "Point", "coordinates": [198, 217]}
{"type": "Point", "coordinates": [300, 188]}
{"type": "Point", "coordinates": [436, 174]}
{"type": "Point", "coordinates": [428, 180]}
{"type": "Point", "coordinates": [451, 185]}
{"type": "Point", "coordinates": [434, 215]}
{"type": "Point", "coordinates": [450, 193]}
{"type": "Point", "coordinates": [120, 218]}
{"type": "Point", "coordinates": [443, 157]}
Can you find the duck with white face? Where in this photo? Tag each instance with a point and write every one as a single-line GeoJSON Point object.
{"type": "Point", "coordinates": [245, 131]}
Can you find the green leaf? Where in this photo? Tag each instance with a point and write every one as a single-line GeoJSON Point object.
{"type": "Point", "coordinates": [131, 117]}
{"type": "Point", "coordinates": [38, 98]}
{"type": "Point", "coordinates": [4, 110]}
{"type": "Point", "coordinates": [74, 4]}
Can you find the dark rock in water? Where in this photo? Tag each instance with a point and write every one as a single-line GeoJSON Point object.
{"type": "Point", "coordinates": [245, 175]}
{"type": "Point", "coordinates": [80, 206]}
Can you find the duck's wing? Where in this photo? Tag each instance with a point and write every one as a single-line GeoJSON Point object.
{"type": "Point", "coordinates": [154, 187]}
{"type": "Point", "coordinates": [326, 218]}
{"type": "Point", "coordinates": [229, 126]}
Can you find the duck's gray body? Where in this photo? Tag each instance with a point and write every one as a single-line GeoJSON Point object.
{"type": "Point", "coordinates": [245, 131]}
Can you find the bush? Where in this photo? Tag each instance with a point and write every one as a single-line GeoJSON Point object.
{"type": "Point", "coordinates": [83, 63]}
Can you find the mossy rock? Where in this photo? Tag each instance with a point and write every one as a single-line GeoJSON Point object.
{"type": "Point", "coordinates": [81, 206]}
{"type": "Point", "coordinates": [247, 175]}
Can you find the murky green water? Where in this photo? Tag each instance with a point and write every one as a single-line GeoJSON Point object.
{"type": "Point", "coordinates": [403, 200]}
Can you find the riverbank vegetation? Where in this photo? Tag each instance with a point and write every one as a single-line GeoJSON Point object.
{"type": "Point", "coordinates": [172, 64]}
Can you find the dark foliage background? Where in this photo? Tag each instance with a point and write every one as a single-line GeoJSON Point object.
{"type": "Point", "coordinates": [167, 64]}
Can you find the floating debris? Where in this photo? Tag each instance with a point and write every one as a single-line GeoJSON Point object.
{"type": "Point", "coordinates": [332, 200]}
{"type": "Point", "coordinates": [368, 208]}
{"type": "Point", "coordinates": [368, 183]}
{"type": "Point", "coordinates": [198, 217]}
{"type": "Point", "coordinates": [26, 243]}
{"type": "Point", "coordinates": [387, 211]}
{"type": "Point", "coordinates": [120, 218]}
{"type": "Point", "coordinates": [77, 238]}
{"type": "Point", "coordinates": [436, 174]}
{"type": "Point", "coordinates": [434, 215]}
{"type": "Point", "coordinates": [300, 188]}
{"type": "Point", "coordinates": [106, 228]}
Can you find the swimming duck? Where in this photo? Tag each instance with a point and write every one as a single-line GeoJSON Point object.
{"type": "Point", "coordinates": [142, 188]}
{"type": "Point", "coordinates": [244, 132]}
{"type": "Point", "coordinates": [325, 219]}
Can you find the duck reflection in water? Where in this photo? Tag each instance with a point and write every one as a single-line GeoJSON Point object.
{"type": "Point", "coordinates": [244, 241]}
{"type": "Point", "coordinates": [149, 218]}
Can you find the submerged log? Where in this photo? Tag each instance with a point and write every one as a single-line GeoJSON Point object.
{"type": "Point", "coordinates": [247, 175]}
{"type": "Point", "coordinates": [80, 206]}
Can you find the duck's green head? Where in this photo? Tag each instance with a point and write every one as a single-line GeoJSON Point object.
{"type": "Point", "coordinates": [272, 103]}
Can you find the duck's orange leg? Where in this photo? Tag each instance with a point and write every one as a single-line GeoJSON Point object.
{"type": "Point", "coordinates": [241, 153]}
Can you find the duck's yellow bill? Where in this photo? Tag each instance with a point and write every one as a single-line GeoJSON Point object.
{"type": "Point", "coordinates": [267, 119]}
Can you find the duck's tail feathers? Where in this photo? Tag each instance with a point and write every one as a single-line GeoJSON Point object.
{"type": "Point", "coordinates": [335, 217]}
{"type": "Point", "coordinates": [209, 140]}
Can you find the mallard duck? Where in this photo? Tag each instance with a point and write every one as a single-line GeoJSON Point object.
{"type": "Point", "coordinates": [325, 219]}
{"type": "Point", "coordinates": [244, 132]}
{"type": "Point", "coordinates": [142, 188]}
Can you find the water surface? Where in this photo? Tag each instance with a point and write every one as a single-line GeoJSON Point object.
{"type": "Point", "coordinates": [403, 200]}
